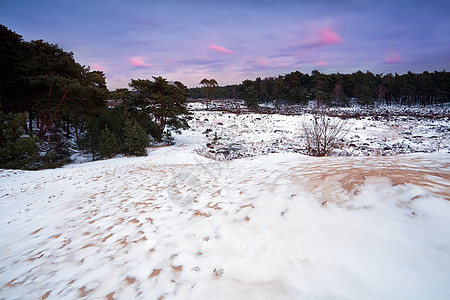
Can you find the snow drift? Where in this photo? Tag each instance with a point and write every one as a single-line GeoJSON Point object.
{"type": "Point", "coordinates": [175, 225]}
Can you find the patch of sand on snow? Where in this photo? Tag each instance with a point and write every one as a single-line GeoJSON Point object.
{"type": "Point", "coordinates": [342, 180]}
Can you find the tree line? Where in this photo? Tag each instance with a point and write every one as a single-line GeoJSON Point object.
{"type": "Point", "coordinates": [51, 106]}
{"type": "Point", "coordinates": [337, 89]}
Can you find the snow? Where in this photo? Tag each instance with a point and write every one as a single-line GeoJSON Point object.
{"type": "Point", "coordinates": [258, 134]}
{"type": "Point", "coordinates": [179, 225]}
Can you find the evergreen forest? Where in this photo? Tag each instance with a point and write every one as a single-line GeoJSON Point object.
{"type": "Point", "coordinates": [52, 107]}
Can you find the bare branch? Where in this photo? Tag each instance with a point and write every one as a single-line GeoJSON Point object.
{"type": "Point", "coordinates": [323, 133]}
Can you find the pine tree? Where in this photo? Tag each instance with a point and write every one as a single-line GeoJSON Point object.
{"type": "Point", "coordinates": [164, 101]}
{"type": "Point", "coordinates": [250, 96]}
{"type": "Point", "coordinates": [135, 138]}
{"type": "Point", "coordinates": [108, 143]}
{"type": "Point", "coordinates": [209, 86]}
{"type": "Point", "coordinates": [17, 151]}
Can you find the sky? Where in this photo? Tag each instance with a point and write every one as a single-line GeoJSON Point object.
{"type": "Point", "coordinates": [231, 40]}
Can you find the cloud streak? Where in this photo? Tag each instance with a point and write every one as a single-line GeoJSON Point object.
{"type": "Point", "coordinates": [322, 38]}
{"type": "Point", "coordinates": [393, 59]}
{"type": "Point", "coordinates": [321, 63]}
{"type": "Point", "coordinates": [257, 61]}
{"type": "Point", "coordinates": [311, 44]}
{"type": "Point", "coordinates": [329, 37]}
{"type": "Point", "coordinates": [98, 67]}
{"type": "Point", "coordinates": [239, 39]}
{"type": "Point", "coordinates": [138, 62]}
{"type": "Point", "coordinates": [219, 49]}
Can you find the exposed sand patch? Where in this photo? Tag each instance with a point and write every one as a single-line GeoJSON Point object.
{"type": "Point", "coordinates": [155, 273]}
{"type": "Point", "coordinates": [341, 181]}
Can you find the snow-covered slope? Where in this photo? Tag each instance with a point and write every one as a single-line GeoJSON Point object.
{"type": "Point", "coordinates": [176, 225]}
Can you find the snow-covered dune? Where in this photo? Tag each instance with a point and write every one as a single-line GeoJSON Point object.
{"type": "Point", "coordinates": [175, 225]}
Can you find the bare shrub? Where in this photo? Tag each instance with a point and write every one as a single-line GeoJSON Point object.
{"type": "Point", "coordinates": [323, 133]}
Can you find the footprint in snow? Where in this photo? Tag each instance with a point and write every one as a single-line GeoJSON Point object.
{"type": "Point", "coordinates": [191, 285]}
{"type": "Point", "coordinates": [218, 272]}
{"type": "Point", "coordinates": [196, 269]}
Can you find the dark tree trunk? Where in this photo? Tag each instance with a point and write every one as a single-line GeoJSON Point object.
{"type": "Point", "coordinates": [30, 121]}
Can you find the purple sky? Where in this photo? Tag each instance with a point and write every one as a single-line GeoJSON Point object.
{"type": "Point", "coordinates": [235, 40]}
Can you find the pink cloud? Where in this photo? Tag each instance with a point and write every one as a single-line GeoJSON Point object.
{"type": "Point", "coordinates": [316, 39]}
{"type": "Point", "coordinates": [393, 59]}
{"type": "Point", "coordinates": [220, 49]}
{"type": "Point", "coordinates": [257, 61]}
{"type": "Point", "coordinates": [329, 37]}
{"type": "Point", "coordinates": [138, 62]}
{"type": "Point", "coordinates": [321, 63]}
{"type": "Point", "coordinates": [98, 67]}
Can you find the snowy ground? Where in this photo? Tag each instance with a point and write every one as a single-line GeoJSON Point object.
{"type": "Point", "coordinates": [177, 225]}
{"type": "Point", "coordinates": [233, 136]}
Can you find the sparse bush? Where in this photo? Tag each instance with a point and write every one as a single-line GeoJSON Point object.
{"type": "Point", "coordinates": [323, 133]}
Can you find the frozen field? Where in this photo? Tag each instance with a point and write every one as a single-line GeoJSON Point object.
{"type": "Point", "coordinates": [248, 134]}
{"type": "Point", "coordinates": [178, 225]}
